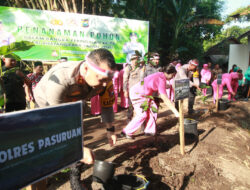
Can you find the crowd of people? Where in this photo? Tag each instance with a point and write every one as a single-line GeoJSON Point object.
{"type": "Point", "coordinates": [98, 80]}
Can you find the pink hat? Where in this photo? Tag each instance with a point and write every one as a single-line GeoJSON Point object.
{"type": "Point", "coordinates": [193, 62]}
{"type": "Point", "coordinates": [177, 66]}
{"type": "Point", "coordinates": [205, 66]}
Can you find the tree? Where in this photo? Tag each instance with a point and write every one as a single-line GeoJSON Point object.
{"type": "Point", "coordinates": [195, 36]}
{"type": "Point", "coordinates": [241, 15]}
{"type": "Point", "coordinates": [99, 7]}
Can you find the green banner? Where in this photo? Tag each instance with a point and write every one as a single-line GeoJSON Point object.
{"type": "Point", "coordinates": [37, 143]}
{"type": "Point", "coordinates": [60, 34]}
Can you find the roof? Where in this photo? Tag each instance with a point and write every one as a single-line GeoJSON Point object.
{"type": "Point", "coordinates": [244, 35]}
{"type": "Point", "coordinates": [222, 48]}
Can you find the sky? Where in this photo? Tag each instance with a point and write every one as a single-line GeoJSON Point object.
{"type": "Point", "coordinates": [231, 6]}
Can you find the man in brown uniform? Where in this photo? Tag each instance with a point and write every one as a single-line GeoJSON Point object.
{"type": "Point", "coordinates": [133, 74]}
{"type": "Point", "coordinates": [186, 72]}
{"type": "Point", "coordinates": [217, 70]}
{"type": "Point", "coordinates": [68, 82]}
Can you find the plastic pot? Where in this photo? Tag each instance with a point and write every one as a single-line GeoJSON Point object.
{"type": "Point", "coordinates": [127, 182]}
{"type": "Point", "coordinates": [103, 171]}
{"type": "Point", "coordinates": [223, 104]}
{"type": "Point", "coordinates": [190, 126]}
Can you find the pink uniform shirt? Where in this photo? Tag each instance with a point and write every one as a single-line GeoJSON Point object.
{"type": "Point", "coordinates": [155, 83]}
{"type": "Point", "coordinates": [205, 75]}
{"type": "Point", "coordinates": [152, 83]}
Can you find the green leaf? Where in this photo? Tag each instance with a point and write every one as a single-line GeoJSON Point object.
{"type": "Point", "coordinates": [65, 170]}
{"type": "Point", "coordinates": [145, 103]}
{"type": "Point", "coordinates": [150, 97]}
{"type": "Point", "coordinates": [154, 109]}
{"type": "Point", "coordinates": [1, 101]}
{"type": "Point", "coordinates": [142, 83]}
{"type": "Point", "coordinates": [138, 53]}
{"type": "Point", "coordinates": [146, 108]}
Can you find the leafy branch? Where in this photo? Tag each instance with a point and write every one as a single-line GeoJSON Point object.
{"type": "Point", "coordinates": [147, 104]}
{"type": "Point", "coordinates": [199, 93]}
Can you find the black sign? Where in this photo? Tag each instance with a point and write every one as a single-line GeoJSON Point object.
{"type": "Point", "coordinates": [39, 142]}
{"type": "Point", "coordinates": [219, 79]}
{"type": "Point", "coordinates": [181, 90]}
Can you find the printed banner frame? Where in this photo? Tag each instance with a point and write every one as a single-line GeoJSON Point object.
{"type": "Point", "coordinates": [37, 143]}
{"type": "Point", "coordinates": [71, 35]}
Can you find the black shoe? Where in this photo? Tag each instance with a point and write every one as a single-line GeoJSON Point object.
{"type": "Point", "coordinates": [190, 112]}
{"type": "Point", "coordinates": [149, 134]}
{"type": "Point", "coordinates": [122, 134]}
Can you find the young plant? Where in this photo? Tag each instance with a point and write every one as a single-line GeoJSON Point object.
{"type": "Point", "coordinates": [147, 104]}
{"type": "Point", "coordinates": [199, 93]}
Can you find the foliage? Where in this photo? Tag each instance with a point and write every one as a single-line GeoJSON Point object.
{"type": "Point", "coordinates": [147, 104]}
{"type": "Point", "coordinates": [199, 93]}
{"type": "Point", "coordinates": [99, 7]}
{"type": "Point", "coordinates": [242, 14]}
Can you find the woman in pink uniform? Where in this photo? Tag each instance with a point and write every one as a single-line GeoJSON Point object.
{"type": "Point", "coordinates": [153, 83]}
{"type": "Point", "coordinates": [205, 77]}
{"type": "Point", "coordinates": [170, 84]}
{"type": "Point", "coordinates": [124, 100]}
{"type": "Point", "coordinates": [235, 84]}
{"type": "Point", "coordinates": [170, 90]}
{"type": "Point", "coordinates": [227, 79]}
{"type": "Point", "coordinates": [116, 89]}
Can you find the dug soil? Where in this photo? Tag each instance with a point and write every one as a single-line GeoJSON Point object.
{"type": "Point", "coordinates": [218, 159]}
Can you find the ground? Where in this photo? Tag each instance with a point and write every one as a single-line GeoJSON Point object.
{"type": "Point", "coordinates": [218, 159]}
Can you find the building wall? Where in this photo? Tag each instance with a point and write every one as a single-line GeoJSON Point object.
{"type": "Point", "coordinates": [239, 55]}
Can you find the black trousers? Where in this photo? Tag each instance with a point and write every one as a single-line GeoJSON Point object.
{"type": "Point", "coordinates": [191, 100]}
{"type": "Point", "coordinates": [15, 106]}
{"type": "Point", "coordinates": [75, 176]}
{"type": "Point", "coordinates": [242, 91]}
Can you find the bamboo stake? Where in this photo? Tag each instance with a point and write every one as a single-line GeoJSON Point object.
{"type": "Point", "coordinates": [248, 94]}
{"type": "Point", "coordinates": [181, 128]}
{"type": "Point", "coordinates": [217, 98]}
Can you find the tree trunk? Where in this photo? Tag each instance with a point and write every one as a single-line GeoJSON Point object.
{"type": "Point", "coordinates": [41, 4]}
{"type": "Point", "coordinates": [27, 3]}
{"type": "Point", "coordinates": [82, 6]}
{"type": "Point", "coordinates": [74, 6]}
{"type": "Point", "coordinates": [65, 5]}
{"type": "Point", "coordinates": [55, 7]}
